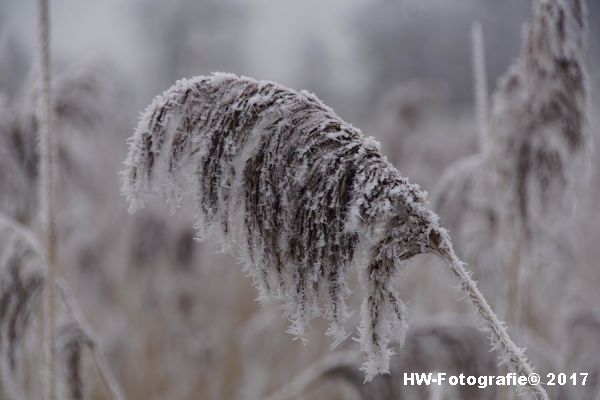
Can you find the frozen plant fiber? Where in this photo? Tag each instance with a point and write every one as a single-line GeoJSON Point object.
{"type": "Point", "coordinates": [311, 191]}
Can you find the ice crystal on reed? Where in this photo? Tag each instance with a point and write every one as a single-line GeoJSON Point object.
{"type": "Point", "coordinates": [311, 191]}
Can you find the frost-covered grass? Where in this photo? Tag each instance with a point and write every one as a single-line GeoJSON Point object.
{"type": "Point", "coordinates": [310, 190]}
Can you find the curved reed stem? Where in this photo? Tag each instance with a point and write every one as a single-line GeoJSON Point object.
{"type": "Point", "coordinates": [512, 355]}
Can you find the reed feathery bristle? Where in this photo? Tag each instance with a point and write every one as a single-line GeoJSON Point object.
{"type": "Point", "coordinates": [310, 189]}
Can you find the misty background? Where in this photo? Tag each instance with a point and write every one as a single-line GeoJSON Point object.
{"type": "Point", "coordinates": [350, 53]}
{"type": "Point", "coordinates": [176, 318]}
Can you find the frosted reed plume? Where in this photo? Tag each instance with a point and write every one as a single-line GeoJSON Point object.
{"type": "Point", "coordinates": [71, 342]}
{"type": "Point", "coordinates": [85, 94]}
{"type": "Point", "coordinates": [539, 135]}
{"type": "Point", "coordinates": [521, 178]}
{"type": "Point", "coordinates": [309, 188]}
{"type": "Point", "coordinates": [22, 289]}
{"type": "Point", "coordinates": [83, 99]}
{"type": "Point", "coordinates": [22, 280]}
{"type": "Point", "coordinates": [19, 293]}
{"type": "Point", "coordinates": [539, 113]}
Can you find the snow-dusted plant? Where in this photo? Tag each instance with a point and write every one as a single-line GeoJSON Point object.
{"type": "Point", "coordinates": [307, 190]}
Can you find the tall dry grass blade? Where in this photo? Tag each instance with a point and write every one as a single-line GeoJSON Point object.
{"type": "Point", "coordinates": [309, 188]}
{"type": "Point", "coordinates": [480, 86]}
{"type": "Point", "coordinates": [46, 202]}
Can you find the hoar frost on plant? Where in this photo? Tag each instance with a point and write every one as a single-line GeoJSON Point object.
{"type": "Point", "coordinates": [310, 189]}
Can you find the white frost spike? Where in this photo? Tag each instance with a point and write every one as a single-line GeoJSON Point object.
{"type": "Point", "coordinates": [309, 189]}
